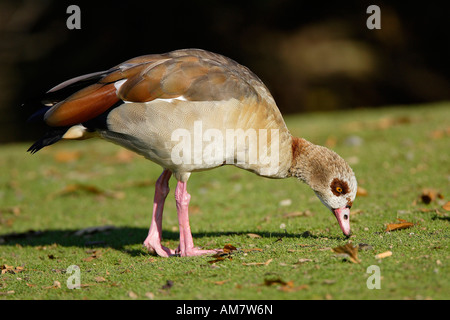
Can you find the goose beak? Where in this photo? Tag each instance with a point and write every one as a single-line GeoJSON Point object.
{"type": "Point", "coordinates": [343, 217]}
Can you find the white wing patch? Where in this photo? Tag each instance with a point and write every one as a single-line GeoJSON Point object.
{"type": "Point", "coordinates": [118, 85]}
{"type": "Point", "coordinates": [179, 98]}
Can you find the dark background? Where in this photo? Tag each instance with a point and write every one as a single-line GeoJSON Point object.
{"type": "Point", "coordinates": [313, 55]}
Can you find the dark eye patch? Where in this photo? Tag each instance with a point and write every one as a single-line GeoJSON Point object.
{"type": "Point", "coordinates": [339, 187]}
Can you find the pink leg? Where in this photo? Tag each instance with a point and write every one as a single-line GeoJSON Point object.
{"type": "Point", "coordinates": [186, 247]}
{"type": "Point", "coordinates": [153, 240]}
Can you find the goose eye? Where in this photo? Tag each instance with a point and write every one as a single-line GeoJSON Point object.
{"type": "Point", "coordinates": [339, 187]}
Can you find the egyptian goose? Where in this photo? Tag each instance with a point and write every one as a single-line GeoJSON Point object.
{"type": "Point", "coordinates": [192, 110]}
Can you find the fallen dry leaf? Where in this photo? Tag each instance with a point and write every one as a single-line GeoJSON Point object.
{"type": "Point", "coordinates": [217, 259]}
{"type": "Point", "coordinates": [100, 279]}
{"type": "Point", "coordinates": [219, 283]}
{"type": "Point", "coordinates": [303, 260]}
{"type": "Point", "coordinates": [388, 122]}
{"type": "Point", "coordinates": [349, 251]}
{"type": "Point", "coordinates": [15, 210]}
{"type": "Point", "coordinates": [228, 248]}
{"type": "Point", "coordinates": [383, 255]}
{"type": "Point", "coordinates": [294, 214]}
{"type": "Point", "coordinates": [67, 156]}
{"type": "Point", "coordinates": [150, 295]}
{"type": "Point", "coordinates": [286, 286]}
{"type": "Point", "coordinates": [253, 235]}
{"type": "Point", "coordinates": [6, 268]}
{"type": "Point", "coordinates": [76, 188]}
{"type": "Point", "coordinates": [356, 212]}
{"type": "Point", "coordinates": [361, 192]}
{"type": "Point", "coordinates": [428, 195]}
{"type": "Point", "coordinates": [258, 263]}
{"type": "Point", "coordinates": [56, 285]}
{"type": "Point", "coordinates": [10, 269]}
{"type": "Point", "coordinates": [291, 288]}
{"type": "Point", "coordinates": [270, 282]}
{"type": "Point", "coordinates": [446, 206]}
{"type": "Point", "coordinates": [94, 254]}
{"type": "Point", "coordinates": [440, 133]}
{"type": "Point", "coordinates": [225, 254]}
{"type": "Point", "coordinates": [396, 226]}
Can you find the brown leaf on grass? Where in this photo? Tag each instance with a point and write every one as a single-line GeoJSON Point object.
{"type": "Point", "coordinates": [217, 259]}
{"type": "Point", "coordinates": [99, 279]}
{"type": "Point", "coordinates": [67, 156]}
{"type": "Point", "coordinates": [15, 210]}
{"type": "Point", "coordinates": [303, 260]}
{"type": "Point", "coordinates": [55, 285]}
{"type": "Point", "coordinates": [383, 255]}
{"type": "Point", "coordinates": [258, 263]}
{"type": "Point", "coordinates": [388, 122]}
{"type": "Point", "coordinates": [291, 288]}
{"type": "Point", "coordinates": [135, 184]}
{"type": "Point", "coordinates": [228, 248]}
{"type": "Point", "coordinates": [446, 206]}
{"type": "Point", "coordinates": [440, 133]}
{"type": "Point", "coordinates": [396, 226]}
{"type": "Point", "coordinates": [286, 286]}
{"type": "Point", "coordinates": [94, 254]}
{"type": "Point", "coordinates": [356, 212]}
{"type": "Point", "coordinates": [253, 235]}
{"type": "Point", "coordinates": [10, 269]}
{"type": "Point", "coordinates": [295, 214]}
{"type": "Point", "coordinates": [349, 251]}
{"type": "Point", "coordinates": [429, 195]}
{"type": "Point", "coordinates": [225, 254]}
{"type": "Point", "coordinates": [77, 188]}
{"type": "Point", "coordinates": [7, 215]}
{"type": "Point", "coordinates": [361, 192]}
{"type": "Point", "coordinates": [219, 283]}
{"type": "Point", "coordinates": [270, 282]}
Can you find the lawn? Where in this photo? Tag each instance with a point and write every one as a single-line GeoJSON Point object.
{"type": "Point", "coordinates": [284, 236]}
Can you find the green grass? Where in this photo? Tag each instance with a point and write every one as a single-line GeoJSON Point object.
{"type": "Point", "coordinates": [397, 153]}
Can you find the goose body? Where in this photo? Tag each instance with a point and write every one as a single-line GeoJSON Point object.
{"type": "Point", "coordinates": [192, 110]}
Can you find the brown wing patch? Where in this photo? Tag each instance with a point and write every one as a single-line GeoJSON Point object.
{"type": "Point", "coordinates": [339, 187]}
{"type": "Point", "coordinates": [195, 77]}
{"type": "Point", "coordinates": [82, 106]}
{"type": "Point", "coordinates": [180, 77]}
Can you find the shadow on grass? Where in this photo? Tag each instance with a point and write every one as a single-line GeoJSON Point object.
{"type": "Point", "coordinates": [119, 237]}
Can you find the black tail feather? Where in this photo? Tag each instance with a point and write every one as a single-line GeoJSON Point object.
{"type": "Point", "coordinates": [38, 106]}
{"type": "Point", "coordinates": [49, 138]}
